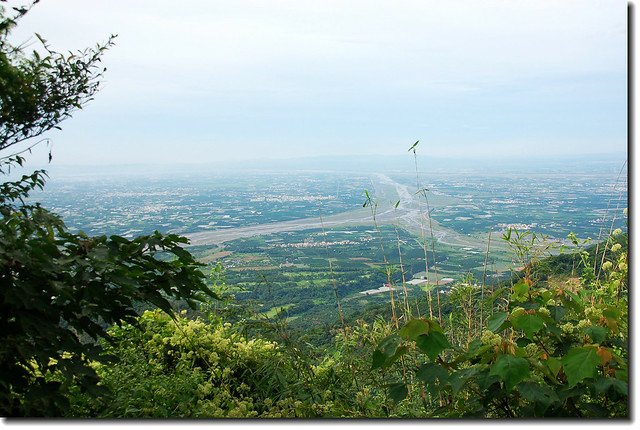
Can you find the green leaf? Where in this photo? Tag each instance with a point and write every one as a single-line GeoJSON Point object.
{"type": "Point", "coordinates": [557, 312]}
{"type": "Point", "coordinates": [539, 393]}
{"type": "Point", "coordinates": [597, 333]}
{"type": "Point", "coordinates": [605, 385]}
{"type": "Point", "coordinates": [414, 328]}
{"type": "Point", "coordinates": [460, 378]}
{"type": "Point", "coordinates": [554, 365]}
{"type": "Point", "coordinates": [377, 360]}
{"type": "Point", "coordinates": [387, 352]}
{"type": "Point", "coordinates": [399, 353]}
{"type": "Point", "coordinates": [398, 392]}
{"type": "Point", "coordinates": [486, 380]}
{"type": "Point", "coordinates": [520, 291]}
{"type": "Point", "coordinates": [574, 297]}
{"type": "Point", "coordinates": [580, 363]}
{"type": "Point", "coordinates": [511, 370]}
{"type": "Point", "coordinates": [530, 324]}
{"type": "Point", "coordinates": [573, 302]}
{"type": "Point", "coordinates": [388, 345]}
{"type": "Point", "coordinates": [432, 343]}
{"type": "Point", "coordinates": [429, 373]}
{"type": "Point", "coordinates": [521, 288]}
{"type": "Point", "coordinates": [611, 313]}
{"type": "Point", "coordinates": [496, 320]}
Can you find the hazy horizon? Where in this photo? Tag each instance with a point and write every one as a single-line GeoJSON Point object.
{"type": "Point", "coordinates": [611, 163]}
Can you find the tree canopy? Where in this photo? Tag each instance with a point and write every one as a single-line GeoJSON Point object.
{"type": "Point", "coordinates": [59, 290]}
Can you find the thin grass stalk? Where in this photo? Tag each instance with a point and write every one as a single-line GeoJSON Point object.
{"type": "Point", "coordinates": [606, 245]}
{"type": "Point", "coordinates": [433, 254]}
{"type": "Point", "coordinates": [333, 278]}
{"type": "Point", "coordinates": [374, 206]}
{"type": "Point", "coordinates": [339, 304]}
{"type": "Point", "coordinates": [422, 234]}
{"type": "Point", "coordinates": [407, 309]}
{"type": "Point", "coordinates": [606, 214]}
{"type": "Point", "coordinates": [484, 281]}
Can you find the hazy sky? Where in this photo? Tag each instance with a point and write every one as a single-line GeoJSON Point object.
{"type": "Point", "coordinates": [200, 81]}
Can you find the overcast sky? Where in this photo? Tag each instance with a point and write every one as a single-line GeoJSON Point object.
{"type": "Point", "coordinates": [202, 81]}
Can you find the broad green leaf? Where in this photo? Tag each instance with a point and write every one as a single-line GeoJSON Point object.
{"type": "Point", "coordinates": [377, 360]}
{"type": "Point", "coordinates": [387, 352]}
{"type": "Point", "coordinates": [414, 328]}
{"type": "Point", "coordinates": [612, 316]}
{"type": "Point", "coordinates": [554, 365]}
{"type": "Point", "coordinates": [429, 373]}
{"type": "Point", "coordinates": [605, 385]}
{"type": "Point", "coordinates": [496, 320]}
{"type": "Point", "coordinates": [521, 288]}
{"type": "Point", "coordinates": [574, 302]}
{"type": "Point", "coordinates": [597, 333]}
{"type": "Point", "coordinates": [433, 326]}
{"type": "Point", "coordinates": [612, 313]}
{"type": "Point", "coordinates": [511, 370]}
{"type": "Point", "coordinates": [574, 297]}
{"type": "Point", "coordinates": [557, 312]}
{"type": "Point", "coordinates": [546, 296]}
{"type": "Point", "coordinates": [460, 378]}
{"type": "Point", "coordinates": [528, 323]}
{"type": "Point", "coordinates": [622, 374]}
{"type": "Point", "coordinates": [486, 380]}
{"type": "Point", "coordinates": [398, 392]}
{"type": "Point", "coordinates": [580, 363]}
{"type": "Point", "coordinates": [555, 330]}
{"type": "Point", "coordinates": [432, 344]}
{"type": "Point", "coordinates": [568, 392]}
{"type": "Point", "coordinates": [388, 345]}
{"type": "Point", "coordinates": [595, 410]}
{"type": "Point", "coordinates": [399, 353]}
{"type": "Point", "coordinates": [475, 349]}
{"type": "Point", "coordinates": [540, 393]}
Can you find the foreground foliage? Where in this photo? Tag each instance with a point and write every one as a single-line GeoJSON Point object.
{"type": "Point", "coordinates": [553, 351]}
{"type": "Point", "coordinates": [59, 291]}
{"type": "Point", "coordinates": [549, 350]}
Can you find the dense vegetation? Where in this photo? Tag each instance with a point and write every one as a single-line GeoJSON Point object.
{"type": "Point", "coordinates": [89, 327]}
{"type": "Point", "coordinates": [59, 291]}
{"type": "Point", "coordinates": [545, 349]}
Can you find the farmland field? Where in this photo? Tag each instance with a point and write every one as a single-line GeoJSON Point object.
{"type": "Point", "coordinates": [291, 243]}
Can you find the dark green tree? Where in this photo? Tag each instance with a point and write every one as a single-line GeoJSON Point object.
{"type": "Point", "coordinates": [59, 290]}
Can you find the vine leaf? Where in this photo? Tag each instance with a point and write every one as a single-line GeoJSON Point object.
{"type": "Point", "coordinates": [554, 365]}
{"type": "Point", "coordinates": [432, 344]}
{"type": "Point", "coordinates": [512, 370]}
{"type": "Point", "coordinates": [580, 363]}
{"type": "Point", "coordinates": [387, 352]}
{"type": "Point", "coordinates": [496, 320]}
{"type": "Point", "coordinates": [535, 392]}
{"type": "Point", "coordinates": [398, 392]}
{"type": "Point", "coordinates": [597, 333]}
{"type": "Point", "coordinates": [530, 324]}
{"type": "Point", "coordinates": [430, 373]}
{"type": "Point", "coordinates": [414, 328]}
{"type": "Point", "coordinates": [521, 288]}
{"type": "Point", "coordinates": [606, 385]}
